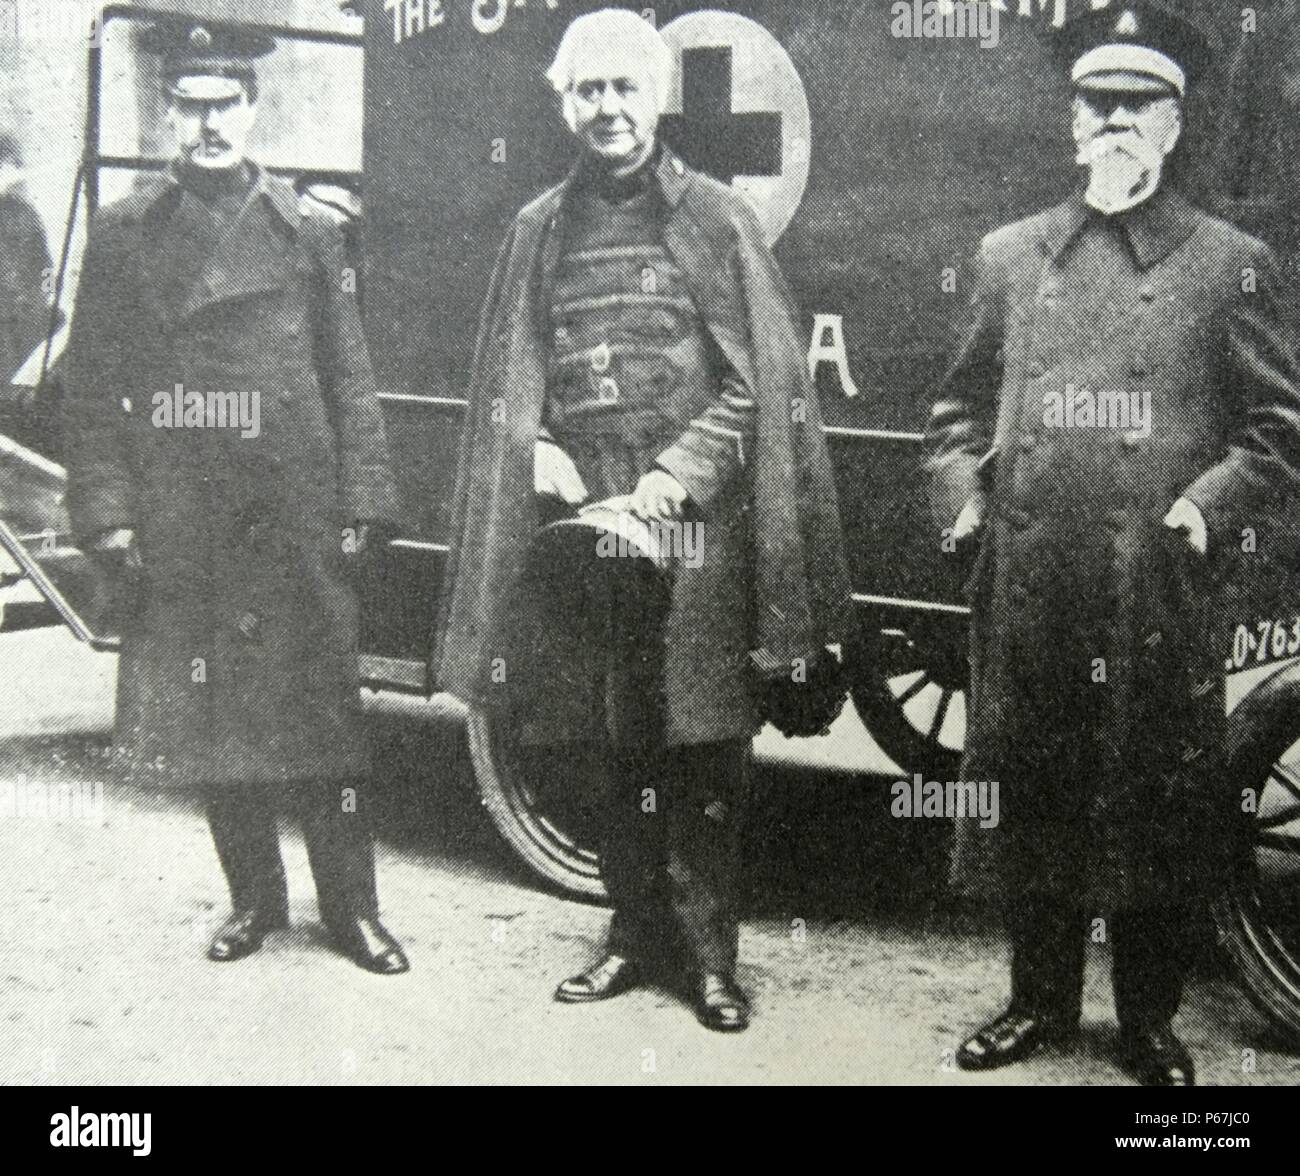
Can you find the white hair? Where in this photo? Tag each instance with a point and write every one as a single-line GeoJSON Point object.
{"type": "Point", "coordinates": [593, 35]}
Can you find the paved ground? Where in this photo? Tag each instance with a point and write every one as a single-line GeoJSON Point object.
{"type": "Point", "coordinates": [858, 977]}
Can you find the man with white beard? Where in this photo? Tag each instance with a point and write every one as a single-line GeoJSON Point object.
{"type": "Point", "coordinates": [1095, 697]}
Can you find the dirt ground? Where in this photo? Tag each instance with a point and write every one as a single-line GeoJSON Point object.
{"type": "Point", "coordinates": [861, 971]}
{"type": "Point", "coordinates": [104, 981]}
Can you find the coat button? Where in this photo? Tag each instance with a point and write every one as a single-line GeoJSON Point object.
{"type": "Point", "coordinates": [1139, 367]}
{"type": "Point", "coordinates": [249, 626]}
{"type": "Point", "coordinates": [1036, 368]}
{"type": "Point", "coordinates": [1019, 519]}
{"type": "Point", "coordinates": [126, 404]}
{"type": "Point", "coordinates": [1147, 294]}
{"type": "Point", "coordinates": [1028, 441]}
{"type": "Point", "coordinates": [1131, 440]}
{"type": "Point", "coordinates": [1115, 520]}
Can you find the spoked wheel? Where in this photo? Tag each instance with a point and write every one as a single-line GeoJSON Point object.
{"type": "Point", "coordinates": [543, 801]}
{"type": "Point", "coordinates": [909, 678]}
{"type": "Point", "coordinates": [1259, 915]}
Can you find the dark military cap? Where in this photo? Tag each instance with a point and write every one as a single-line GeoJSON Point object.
{"type": "Point", "coordinates": [205, 62]}
{"type": "Point", "coordinates": [1142, 46]}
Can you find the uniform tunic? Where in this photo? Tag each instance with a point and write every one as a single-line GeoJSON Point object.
{"type": "Point", "coordinates": [635, 383]}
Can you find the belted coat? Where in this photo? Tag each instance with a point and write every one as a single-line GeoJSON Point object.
{"type": "Point", "coordinates": [1112, 366]}
{"type": "Point", "coordinates": [239, 659]}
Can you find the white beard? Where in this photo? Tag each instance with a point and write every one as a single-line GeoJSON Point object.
{"type": "Point", "coordinates": [1123, 172]}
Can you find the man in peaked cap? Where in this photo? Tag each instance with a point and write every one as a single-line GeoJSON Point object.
{"type": "Point", "coordinates": [209, 299]}
{"type": "Point", "coordinates": [1124, 405]}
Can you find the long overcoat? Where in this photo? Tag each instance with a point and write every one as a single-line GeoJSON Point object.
{"type": "Point", "coordinates": [1096, 691]}
{"type": "Point", "coordinates": [239, 659]}
{"type": "Point", "coordinates": [777, 558]}
{"type": "Point", "coordinates": [24, 277]}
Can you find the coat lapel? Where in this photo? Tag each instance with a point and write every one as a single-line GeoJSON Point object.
{"type": "Point", "coordinates": [254, 256]}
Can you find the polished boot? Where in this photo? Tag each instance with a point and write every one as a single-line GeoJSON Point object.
{"type": "Point", "coordinates": [719, 1004]}
{"type": "Point", "coordinates": [242, 933]}
{"type": "Point", "coordinates": [342, 857]}
{"type": "Point", "coordinates": [1012, 1037]}
{"type": "Point", "coordinates": [367, 943]}
{"type": "Point", "coordinates": [1155, 1057]}
{"type": "Point", "coordinates": [613, 976]}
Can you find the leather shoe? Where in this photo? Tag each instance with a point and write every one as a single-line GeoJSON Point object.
{"type": "Point", "coordinates": [1011, 1038]}
{"type": "Point", "coordinates": [368, 945]}
{"type": "Point", "coordinates": [242, 934]}
{"type": "Point", "coordinates": [611, 977]}
{"type": "Point", "coordinates": [1155, 1057]}
{"type": "Point", "coordinates": [719, 1004]}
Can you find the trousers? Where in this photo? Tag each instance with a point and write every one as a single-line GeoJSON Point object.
{"type": "Point", "coordinates": [1048, 941]}
{"type": "Point", "coordinates": [670, 854]}
{"type": "Point", "coordinates": [336, 828]}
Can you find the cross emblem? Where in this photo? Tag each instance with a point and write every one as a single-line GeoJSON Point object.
{"type": "Point", "coordinates": [708, 134]}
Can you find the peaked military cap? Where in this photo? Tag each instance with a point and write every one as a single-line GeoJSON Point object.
{"type": "Point", "coordinates": [207, 63]}
{"type": "Point", "coordinates": [1137, 46]}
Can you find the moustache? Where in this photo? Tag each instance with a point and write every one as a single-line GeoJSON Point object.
{"type": "Point", "coordinates": [1108, 144]}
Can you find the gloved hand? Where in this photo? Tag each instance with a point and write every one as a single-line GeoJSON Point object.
{"type": "Point", "coordinates": [118, 549]}
{"type": "Point", "coordinates": [118, 594]}
{"type": "Point", "coordinates": [365, 542]}
{"type": "Point", "coordinates": [1185, 516]}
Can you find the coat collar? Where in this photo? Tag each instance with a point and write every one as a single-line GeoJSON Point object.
{"type": "Point", "coordinates": [671, 174]}
{"type": "Point", "coordinates": [158, 201]}
{"type": "Point", "coordinates": [1154, 229]}
{"type": "Point", "coordinates": [252, 257]}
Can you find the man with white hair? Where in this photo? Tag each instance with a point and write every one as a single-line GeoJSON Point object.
{"type": "Point", "coordinates": [1095, 694]}
{"type": "Point", "coordinates": [637, 341]}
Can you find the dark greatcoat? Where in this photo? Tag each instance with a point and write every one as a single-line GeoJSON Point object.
{"type": "Point", "coordinates": [789, 571]}
{"type": "Point", "coordinates": [241, 537]}
{"type": "Point", "coordinates": [24, 272]}
{"type": "Point", "coordinates": [1111, 792]}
